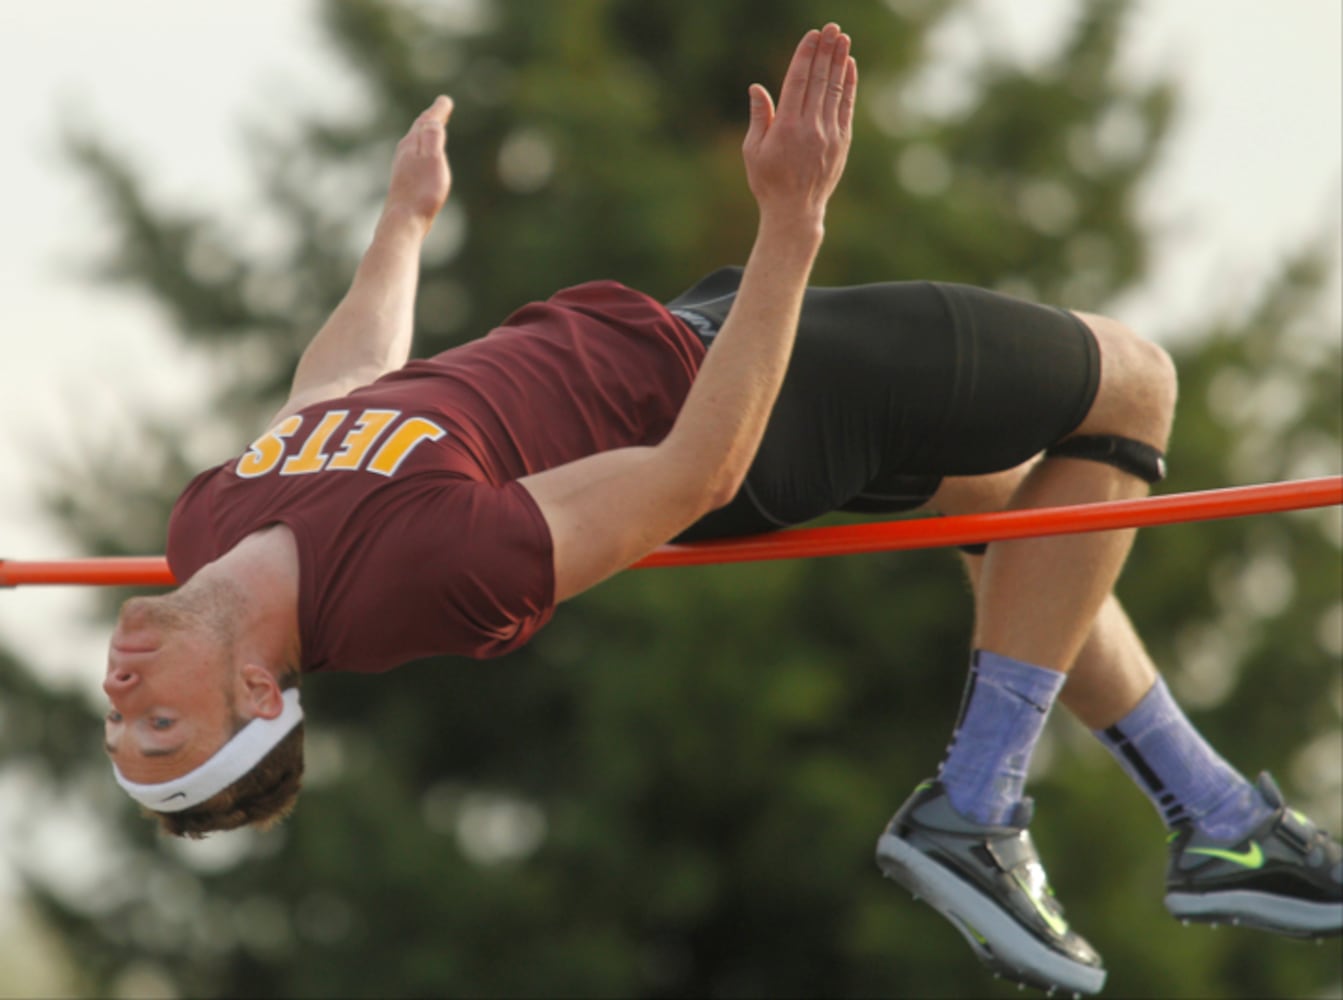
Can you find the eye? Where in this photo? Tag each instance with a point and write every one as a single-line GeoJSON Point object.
{"type": "Point", "coordinates": [160, 722]}
{"type": "Point", "coordinates": [113, 716]}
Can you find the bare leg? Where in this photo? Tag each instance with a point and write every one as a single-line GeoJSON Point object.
{"type": "Point", "coordinates": [1112, 670]}
{"type": "Point", "coordinates": [1111, 673]}
{"type": "Point", "coordinates": [1037, 601]}
{"type": "Point", "coordinates": [1110, 677]}
{"type": "Point", "coordinates": [1038, 598]}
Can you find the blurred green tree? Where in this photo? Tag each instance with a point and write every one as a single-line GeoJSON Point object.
{"type": "Point", "coordinates": [677, 788]}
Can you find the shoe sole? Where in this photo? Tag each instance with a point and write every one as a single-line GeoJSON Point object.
{"type": "Point", "coordinates": [996, 939]}
{"type": "Point", "coordinates": [1292, 917]}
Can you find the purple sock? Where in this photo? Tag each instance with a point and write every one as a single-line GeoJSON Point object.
{"type": "Point", "coordinates": [1002, 714]}
{"type": "Point", "coordinates": [1186, 779]}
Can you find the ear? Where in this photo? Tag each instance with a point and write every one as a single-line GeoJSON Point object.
{"type": "Point", "coordinates": [260, 697]}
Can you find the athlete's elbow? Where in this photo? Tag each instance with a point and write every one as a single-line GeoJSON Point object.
{"type": "Point", "coordinates": [723, 487]}
{"type": "Point", "coordinates": [705, 481]}
{"type": "Point", "coordinates": [707, 491]}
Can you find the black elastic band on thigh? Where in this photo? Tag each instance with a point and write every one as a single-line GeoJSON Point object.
{"type": "Point", "coordinates": [1134, 457]}
{"type": "Point", "coordinates": [1126, 454]}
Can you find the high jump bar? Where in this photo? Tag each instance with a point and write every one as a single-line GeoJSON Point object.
{"type": "Point", "coordinates": [849, 539]}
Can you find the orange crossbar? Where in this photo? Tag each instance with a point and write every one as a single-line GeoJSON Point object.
{"type": "Point", "coordinates": [882, 536]}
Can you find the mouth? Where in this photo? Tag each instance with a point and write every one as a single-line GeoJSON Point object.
{"type": "Point", "coordinates": [134, 639]}
{"type": "Point", "coordinates": [126, 654]}
{"type": "Point", "coordinates": [134, 646]}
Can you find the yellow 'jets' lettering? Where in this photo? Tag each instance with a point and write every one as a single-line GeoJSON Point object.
{"type": "Point", "coordinates": [371, 426]}
{"type": "Point", "coordinates": [267, 450]}
{"type": "Point", "coordinates": [312, 459]}
{"type": "Point", "coordinates": [365, 433]}
{"type": "Point", "coordinates": [402, 443]}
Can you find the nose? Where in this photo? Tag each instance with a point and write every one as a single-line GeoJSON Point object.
{"type": "Point", "coordinates": [119, 680]}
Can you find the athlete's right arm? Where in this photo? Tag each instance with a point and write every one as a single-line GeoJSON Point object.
{"type": "Point", "coordinates": [369, 333]}
{"type": "Point", "coordinates": [608, 510]}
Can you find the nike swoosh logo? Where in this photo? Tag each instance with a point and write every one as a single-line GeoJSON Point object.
{"type": "Point", "coordinates": [175, 795]}
{"type": "Point", "coordinates": [1253, 858]}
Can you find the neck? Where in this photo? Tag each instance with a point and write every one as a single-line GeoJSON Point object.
{"type": "Point", "coordinates": [262, 573]}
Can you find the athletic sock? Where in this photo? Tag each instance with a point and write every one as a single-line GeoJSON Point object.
{"type": "Point", "coordinates": [1186, 779]}
{"type": "Point", "coordinates": [1003, 711]}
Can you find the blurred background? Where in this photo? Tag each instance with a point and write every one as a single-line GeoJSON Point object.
{"type": "Point", "coordinates": [676, 789]}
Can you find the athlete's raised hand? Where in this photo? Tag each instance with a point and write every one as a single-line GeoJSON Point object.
{"type": "Point", "coordinates": [421, 178]}
{"type": "Point", "coordinates": [796, 153]}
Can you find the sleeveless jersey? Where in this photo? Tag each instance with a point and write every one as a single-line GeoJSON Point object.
{"type": "Point", "coordinates": [414, 536]}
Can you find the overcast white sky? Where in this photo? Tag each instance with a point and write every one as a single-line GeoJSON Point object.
{"type": "Point", "coordinates": [1255, 168]}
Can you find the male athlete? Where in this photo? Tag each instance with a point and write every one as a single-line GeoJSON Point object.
{"type": "Point", "coordinates": [396, 509]}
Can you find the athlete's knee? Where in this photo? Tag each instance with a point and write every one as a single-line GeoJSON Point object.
{"type": "Point", "coordinates": [1160, 380]}
{"type": "Point", "coordinates": [1138, 387]}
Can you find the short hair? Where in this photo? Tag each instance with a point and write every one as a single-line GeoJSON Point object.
{"type": "Point", "coordinates": [263, 797]}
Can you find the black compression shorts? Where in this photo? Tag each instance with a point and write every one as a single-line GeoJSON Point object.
{"type": "Point", "coordinates": [893, 386]}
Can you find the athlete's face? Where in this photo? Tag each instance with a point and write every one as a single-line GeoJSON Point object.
{"type": "Point", "coordinates": [169, 679]}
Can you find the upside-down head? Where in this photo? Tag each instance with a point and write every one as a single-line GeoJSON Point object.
{"type": "Point", "coordinates": [202, 737]}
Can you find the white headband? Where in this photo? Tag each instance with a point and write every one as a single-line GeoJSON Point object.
{"type": "Point", "coordinates": [230, 762]}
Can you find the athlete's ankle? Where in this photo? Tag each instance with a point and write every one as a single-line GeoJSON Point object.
{"type": "Point", "coordinates": [1235, 815]}
{"type": "Point", "coordinates": [1186, 780]}
{"type": "Point", "coordinates": [1005, 707]}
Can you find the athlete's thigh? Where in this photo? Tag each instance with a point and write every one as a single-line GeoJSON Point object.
{"type": "Point", "coordinates": [897, 385]}
{"type": "Point", "coordinates": [869, 364]}
{"type": "Point", "coordinates": [1027, 377]}
{"type": "Point", "coordinates": [893, 386]}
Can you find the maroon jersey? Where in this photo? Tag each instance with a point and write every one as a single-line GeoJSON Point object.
{"type": "Point", "coordinates": [414, 536]}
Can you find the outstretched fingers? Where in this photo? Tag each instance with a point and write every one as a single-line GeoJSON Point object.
{"type": "Point", "coordinates": [793, 168]}
{"type": "Point", "coordinates": [793, 93]}
{"type": "Point", "coordinates": [837, 111]}
{"type": "Point", "coordinates": [821, 80]}
{"type": "Point", "coordinates": [846, 100]}
{"type": "Point", "coordinates": [822, 69]}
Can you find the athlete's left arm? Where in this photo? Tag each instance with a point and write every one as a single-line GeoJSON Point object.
{"type": "Point", "coordinates": [370, 332]}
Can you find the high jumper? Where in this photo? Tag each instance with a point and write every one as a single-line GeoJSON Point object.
{"type": "Point", "coordinates": [399, 508]}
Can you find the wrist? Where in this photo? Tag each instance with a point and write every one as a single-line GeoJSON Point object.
{"type": "Point", "coordinates": [791, 241]}
{"type": "Point", "coordinates": [397, 221]}
{"type": "Point", "coordinates": [802, 231]}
